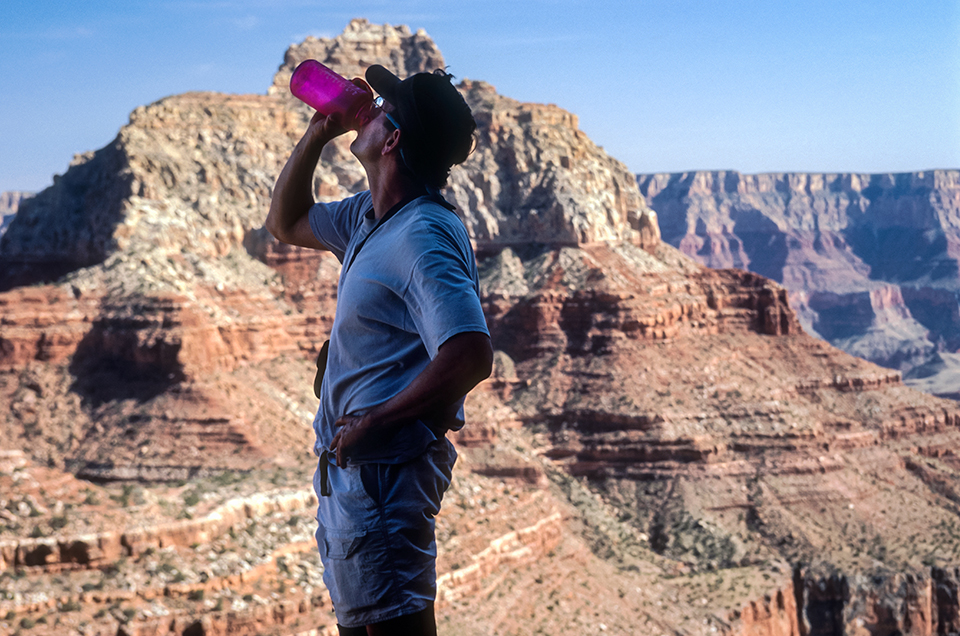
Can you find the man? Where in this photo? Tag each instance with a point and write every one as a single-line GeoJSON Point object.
{"type": "Point", "coordinates": [409, 340]}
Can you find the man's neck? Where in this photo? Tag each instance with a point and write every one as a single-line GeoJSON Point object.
{"type": "Point", "coordinates": [390, 188]}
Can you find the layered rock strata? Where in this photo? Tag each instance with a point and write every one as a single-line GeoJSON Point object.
{"type": "Point", "coordinates": [104, 548]}
{"type": "Point", "coordinates": [870, 259]}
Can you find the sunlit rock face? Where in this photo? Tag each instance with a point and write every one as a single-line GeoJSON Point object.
{"type": "Point", "coordinates": [535, 177]}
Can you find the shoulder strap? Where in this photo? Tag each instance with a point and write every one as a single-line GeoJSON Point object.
{"type": "Point", "coordinates": [386, 217]}
{"type": "Point", "coordinates": [434, 196]}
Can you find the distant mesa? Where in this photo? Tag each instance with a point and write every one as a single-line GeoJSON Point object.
{"type": "Point", "coordinates": [10, 201]}
{"type": "Point", "coordinates": [870, 260]}
{"type": "Point", "coordinates": [9, 204]}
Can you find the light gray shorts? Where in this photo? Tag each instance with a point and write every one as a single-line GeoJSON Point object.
{"type": "Point", "coordinates": [376, 534]}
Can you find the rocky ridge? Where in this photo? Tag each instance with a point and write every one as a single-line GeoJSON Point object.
{"type": "Point", "coordinates": [870, 260]}
{"type": "Point", "coordinates": [661, 447]}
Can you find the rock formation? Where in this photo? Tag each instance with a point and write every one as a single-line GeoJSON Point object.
{"type": "Point", "coordinates": [870, 260]}
{"type": "Point", "coordinates": [536, 178]}
{"type": "Point", "coordinates": [662, 448]}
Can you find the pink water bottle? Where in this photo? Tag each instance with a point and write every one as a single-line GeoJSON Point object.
{"type": "Point", "coordinates": [331, 94]}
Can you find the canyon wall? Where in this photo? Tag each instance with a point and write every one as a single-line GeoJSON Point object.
{"type": "Point", "coordinates": [870, 260]}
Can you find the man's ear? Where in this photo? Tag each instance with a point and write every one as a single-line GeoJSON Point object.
{"type": "Point", "coordinates": [392, 142]}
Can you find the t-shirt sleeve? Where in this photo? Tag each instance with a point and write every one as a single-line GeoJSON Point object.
{"type": "Point", "coordinates": [334, 223]}
{"type": "Point", "coordinates": [443, 294]}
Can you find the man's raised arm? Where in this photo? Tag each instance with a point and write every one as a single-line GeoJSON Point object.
{"type": "Point", "coordinates": [288, 219]}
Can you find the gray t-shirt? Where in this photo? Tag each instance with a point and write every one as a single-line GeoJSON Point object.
{"type": "Point", "coordinates": [412, 286]}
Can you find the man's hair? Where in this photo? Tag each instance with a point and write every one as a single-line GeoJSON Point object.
{"type": "Point", "coordinates": [452, 139]}
{"type": "Point", "coordinates": [436, 125]}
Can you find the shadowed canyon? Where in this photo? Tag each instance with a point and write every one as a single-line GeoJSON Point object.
{"type": "Point", "coordinates": [662, 448]}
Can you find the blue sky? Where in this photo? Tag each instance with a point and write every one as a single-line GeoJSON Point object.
{"type": "Point", "coordinates": [662, 85]}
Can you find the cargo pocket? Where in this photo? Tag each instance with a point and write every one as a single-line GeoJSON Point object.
{"type": "Point", "coordinates": [350, 572]}
{"type": "Point", "coordinates": [341, 544]}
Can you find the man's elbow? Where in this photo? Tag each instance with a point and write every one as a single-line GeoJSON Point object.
{"type": "Point", "coordinates": [483, 359]}
{"type": "Point", "coordinates": [283, 219]}
{"type": "Point", "coordinates": [273, 226]}
{"type": "Point", "coordinates": [468, 358]}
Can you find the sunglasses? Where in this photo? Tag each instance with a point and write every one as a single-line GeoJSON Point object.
{"type": "Point", "coordinates": [378, 102]}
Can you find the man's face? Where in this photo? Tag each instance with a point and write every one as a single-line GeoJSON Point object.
{"type": "Point", "coordinates": [374, 134]}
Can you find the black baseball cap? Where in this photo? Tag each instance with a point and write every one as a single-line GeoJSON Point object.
{"type": "Point", "coordinates": [436, 124]}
